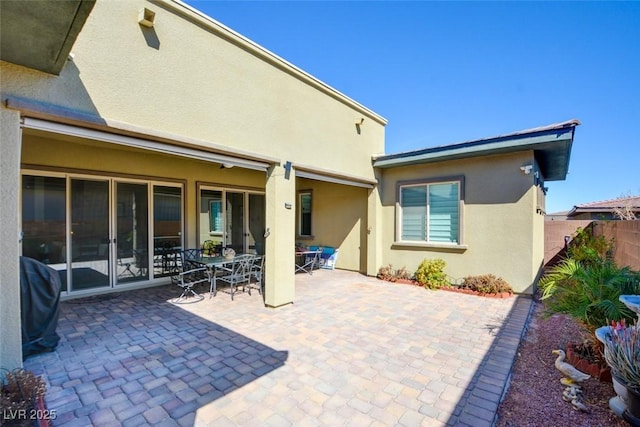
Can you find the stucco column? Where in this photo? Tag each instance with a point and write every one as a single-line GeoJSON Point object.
{"type": "Point", "coordinates": [10, 335]}
{"type": "Point", "coordinates": [280, 243]}
{"type": "Point", "coordinates": [374, 231]}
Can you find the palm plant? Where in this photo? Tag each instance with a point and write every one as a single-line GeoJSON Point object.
{"type": "Point", "coordinates": [590, 291]}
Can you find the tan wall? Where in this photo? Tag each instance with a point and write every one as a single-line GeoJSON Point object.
{"type": "Point", "coordinates": [339, 216]}
{"type": "Point", "coordinates": [626, 235]}
{"type": "Point", "coordinates": [181, 79]}
{"type": "Point", "coordinates": [10, 335]}
{"type": "Point", "coordinates": [502, 233]}
{"type": "Point", "coordinates": [554, 232]}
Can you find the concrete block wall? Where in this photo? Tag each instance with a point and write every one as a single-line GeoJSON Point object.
{"type": "Point", "coordinates": [626, 235]}
{"type": "Point", "coordinates": [554, 233]}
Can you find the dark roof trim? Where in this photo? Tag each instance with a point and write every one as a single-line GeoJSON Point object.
{"type": "Point", "coordinates": [551, 145]}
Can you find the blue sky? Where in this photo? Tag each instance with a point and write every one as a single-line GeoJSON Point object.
{"type": "Point", "coordinates": [447, 72]}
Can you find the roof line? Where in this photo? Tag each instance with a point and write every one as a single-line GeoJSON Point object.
{"type": "Point", "coordinates": [541, 129]}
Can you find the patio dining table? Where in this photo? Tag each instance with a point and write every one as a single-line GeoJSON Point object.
{"type": "Point", "coordinates": [216, 263]}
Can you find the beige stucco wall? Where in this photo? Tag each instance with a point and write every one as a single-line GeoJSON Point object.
{"type": "Point", "coordinates": [10, 332]}
{"type": "Point", "coordinates": [502, 233]}
{"type": "Point", "coordinates": [182, 79]}
{"type": "Point", "coordinates": [339, 218]}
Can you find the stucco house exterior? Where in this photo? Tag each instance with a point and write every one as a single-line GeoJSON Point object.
{"type": "Point", "coordinates": [129, 127]}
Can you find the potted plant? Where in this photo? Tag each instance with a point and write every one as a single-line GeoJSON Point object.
{"type": "Point", "coordinates": [622, 353]}
{"type": "Point", "coordinates": [22, 400]}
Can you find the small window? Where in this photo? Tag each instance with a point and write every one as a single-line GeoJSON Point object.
{"type": "Point", "coordinates": [430, 212]}
{"type": "Point", "coordinates": [304, 212]}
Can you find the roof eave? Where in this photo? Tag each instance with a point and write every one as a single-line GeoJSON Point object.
{"type": "Point", "coordinates": [552, 149]}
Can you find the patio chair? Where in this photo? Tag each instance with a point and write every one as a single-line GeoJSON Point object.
{"type": "Point", "coordinates": [190, 278]}
{"type": "Point", "coordinates": [187, 272]}
{"type": "Point", "coordinates": [236, 272]}
{"type": "Point", "coordinates": [311, 260]}
{"type": "Point", "coordinates": [256, 269]}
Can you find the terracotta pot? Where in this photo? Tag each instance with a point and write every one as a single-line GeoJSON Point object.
{"type": "Point", "coordinates": [602, 373]}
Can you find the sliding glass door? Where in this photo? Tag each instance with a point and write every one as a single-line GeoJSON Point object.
{"type": "Point", "coordinates": [132, 232]}
{"type": "Point", "coordinates": [90, 237]}
{"type": "Point", "coordinates": [232, 219]}
{"type": "Point", "coordinates": [98, 232]}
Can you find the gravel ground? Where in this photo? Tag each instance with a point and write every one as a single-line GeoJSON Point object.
{"type": "Point", "coordinates": [534, 397]}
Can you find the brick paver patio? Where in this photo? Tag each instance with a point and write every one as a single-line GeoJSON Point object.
{"type": "Point", "coordinates": [351, 350]}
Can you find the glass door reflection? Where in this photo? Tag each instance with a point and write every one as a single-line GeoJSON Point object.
{"type": "Point", "coordinates": [132, 232]}
{"type": "Point", "coordinates": [90, 238]}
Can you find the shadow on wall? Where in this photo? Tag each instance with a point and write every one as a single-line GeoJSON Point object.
{"type": "Point", "coordinates": [61, 96]}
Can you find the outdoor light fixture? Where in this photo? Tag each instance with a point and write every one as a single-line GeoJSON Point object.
{"type": "Point", "coordinates": [526, 169]}
{"type": "Point", "coordinates": [226, 166]}
{"type": "Point", "coordinates": [146, 17]}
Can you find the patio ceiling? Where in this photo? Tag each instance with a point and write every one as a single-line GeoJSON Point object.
{"type": "Point", "coordinates": [40, 34]}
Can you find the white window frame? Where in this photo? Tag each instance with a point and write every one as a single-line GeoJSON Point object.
{"type": "Point", "coordinates": [426, 183]}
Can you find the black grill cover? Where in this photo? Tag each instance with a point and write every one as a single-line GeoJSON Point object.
{"type": "Point", "coordinates": [40, 303]}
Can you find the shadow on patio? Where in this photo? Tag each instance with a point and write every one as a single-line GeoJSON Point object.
{"type": "Point", "coordinates": [134, 358]}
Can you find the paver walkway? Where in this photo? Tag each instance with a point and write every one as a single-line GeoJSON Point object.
{"type": "Point", "coordinates": [351, 350]}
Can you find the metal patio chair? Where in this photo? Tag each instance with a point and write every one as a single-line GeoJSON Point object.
{"type": "Point", "coordinates": [236, 272]}
{"type": "Point", "coordinates": [256, 270]}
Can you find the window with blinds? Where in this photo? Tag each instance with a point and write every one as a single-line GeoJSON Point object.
{"type": "Point", "coordinates": [430, 212]}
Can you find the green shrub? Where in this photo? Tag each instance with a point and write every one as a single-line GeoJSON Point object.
{"type": "Point", "coordinates": [486, 284]}
{"type": "Point", "coordinates": [589, 249]}
{"type": "Point", "coordinates": [589, 291]}
{"type": "Point", "coordinates": [431, 275]}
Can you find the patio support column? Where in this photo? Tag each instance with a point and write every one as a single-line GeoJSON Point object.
{"type": "Point", "coordinates": [11, 336]}
{"type": "Point", "coordinates": [374, 230]}
{"type": "Point", "coordinates": [280, 243]}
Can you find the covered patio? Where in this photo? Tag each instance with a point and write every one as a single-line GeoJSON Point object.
{"type": "Point", "coordinates": [351, 350]}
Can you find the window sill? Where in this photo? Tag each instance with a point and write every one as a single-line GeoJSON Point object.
{"type": "Point", "coordinates": [443, 247]}
{"type": "Point", "coordinates": [305, 237]}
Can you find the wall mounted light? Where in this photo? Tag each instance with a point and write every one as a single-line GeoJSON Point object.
{"type": "Point", "coordinates": [146, 17]}
{"type": "Point", "coordinates": [526, 169]}
{"type": "Point", "coordinates": [287, 169]}
{"type": "Point", "coordinates": [359, 121]}
{"type": "Point", "coordinates": [226, 166]}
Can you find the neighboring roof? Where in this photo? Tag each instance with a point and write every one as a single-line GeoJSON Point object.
{"type": "Point", "coordinates": [632, 202]}
{"type": "Point", "coordinates": [40, 35]}
{"type": "Point", "coordinates": [551, 146]}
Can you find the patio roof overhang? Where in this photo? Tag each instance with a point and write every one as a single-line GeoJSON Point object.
{"type": "Point", "coordinates": [40, 34]}
{"type": "Point", "coordinates": [39, 117]}
{"type": "Point", "coordinates": [317, 174]}
{"type": "Point", "coordinates": [551, 146]}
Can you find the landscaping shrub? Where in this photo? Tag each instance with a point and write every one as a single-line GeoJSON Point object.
{"type": "Point", "coordinates": [589, 291]}
{"type": "Point", "coordinates": [487, 284]}
{"type": "Point", "coordinates": [386, 272]}
{"type": "Point", "coordinates": [430, 273]}
{"type": "Point", "coordinates": [404, 274]}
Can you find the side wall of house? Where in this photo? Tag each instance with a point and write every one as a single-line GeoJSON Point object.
{"type": "Point", "coordinates": [502, 232]}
